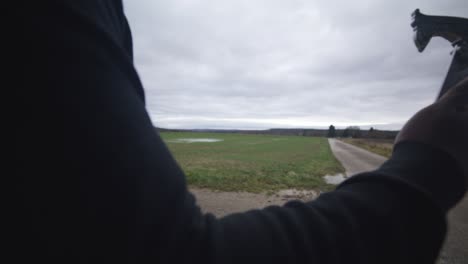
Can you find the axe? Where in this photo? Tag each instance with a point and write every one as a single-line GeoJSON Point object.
{"type": "Point", "coordinates": [453, 29]}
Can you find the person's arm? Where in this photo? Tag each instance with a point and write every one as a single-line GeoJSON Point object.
{"type": "Point", "coordinates": [99, 185]}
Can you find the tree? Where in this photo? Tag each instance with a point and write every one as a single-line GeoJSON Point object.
{"type": "Point", "coordinates": [371, 133]}
{"type": "Point", "coordinates": [345, 133]}
{"type": "Point", "coordinates": [353, 131]}
{"type": "Point", "coordinates": [331, 132]}
{"type": "Point", "coordinates": [357, 133]}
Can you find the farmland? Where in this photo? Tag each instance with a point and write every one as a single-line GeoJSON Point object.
{"type": "Point", "coordinates": [253, 163]}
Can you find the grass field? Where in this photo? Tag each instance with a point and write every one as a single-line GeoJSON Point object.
{"type": "Point", "coordinates": [382, 147]}
{"type": "Point", "coordinates": [253, 163]}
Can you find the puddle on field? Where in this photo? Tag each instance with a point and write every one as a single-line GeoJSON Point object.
{"type": "Point", "coordinates": [195, 140]}
{"type": "Point", "coordinates": [334, 179]}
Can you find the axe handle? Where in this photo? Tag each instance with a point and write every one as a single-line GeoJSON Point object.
{"type": "Point", "coordinates": [458, 71]}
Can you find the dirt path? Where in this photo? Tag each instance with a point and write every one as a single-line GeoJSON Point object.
{"type": "Point", "coordinates": [223, 203]}
{"type": "Point", "coordinates": [354, 159]}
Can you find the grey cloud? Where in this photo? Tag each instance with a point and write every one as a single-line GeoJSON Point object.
{"type": "Point", "coordinates": [260, 64]}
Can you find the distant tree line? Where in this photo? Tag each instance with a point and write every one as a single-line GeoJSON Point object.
{"type": "Point", "coordinates": [332, 131]}
{"type": "Point", "coordinates": [357, 132]}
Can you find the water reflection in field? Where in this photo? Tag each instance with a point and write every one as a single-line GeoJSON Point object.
{"type": "Point", "coordinates": [195, 140]}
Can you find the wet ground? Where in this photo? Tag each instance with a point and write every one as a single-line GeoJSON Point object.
{"type": "Point", "coordinates": [334, 179]}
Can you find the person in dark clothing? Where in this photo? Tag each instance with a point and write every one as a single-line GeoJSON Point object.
{"type": "Point", "coordinates": [98, 185]}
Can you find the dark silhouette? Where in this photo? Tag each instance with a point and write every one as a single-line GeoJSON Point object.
{"type": "Point", "coordinates": [345, 133]}
{"type": "Point", "coordinates": [331, 132]}
{"type": "Point", "coordinates": [98, 185]}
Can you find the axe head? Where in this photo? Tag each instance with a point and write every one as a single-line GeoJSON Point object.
{"type": "Point", "coordinates": [453, 29]}
{"type": "Point", "coordinates": [422, 34]}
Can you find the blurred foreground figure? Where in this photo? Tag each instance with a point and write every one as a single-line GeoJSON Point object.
{"type": "Point", "coordinates": [98, 185]}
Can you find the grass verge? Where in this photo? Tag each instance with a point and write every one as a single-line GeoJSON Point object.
{"type": "Point", "coordinates": [382, 147]}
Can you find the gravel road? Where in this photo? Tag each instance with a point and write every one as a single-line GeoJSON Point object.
{"type": "Point", "coordinates": [354, 159]}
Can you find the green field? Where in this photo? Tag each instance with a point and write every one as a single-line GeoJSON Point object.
{"type": "Point", "coordinates": [253, 163]}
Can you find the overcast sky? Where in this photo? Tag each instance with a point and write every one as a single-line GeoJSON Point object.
{"type": "Point", "coordinates": [252, 64]}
